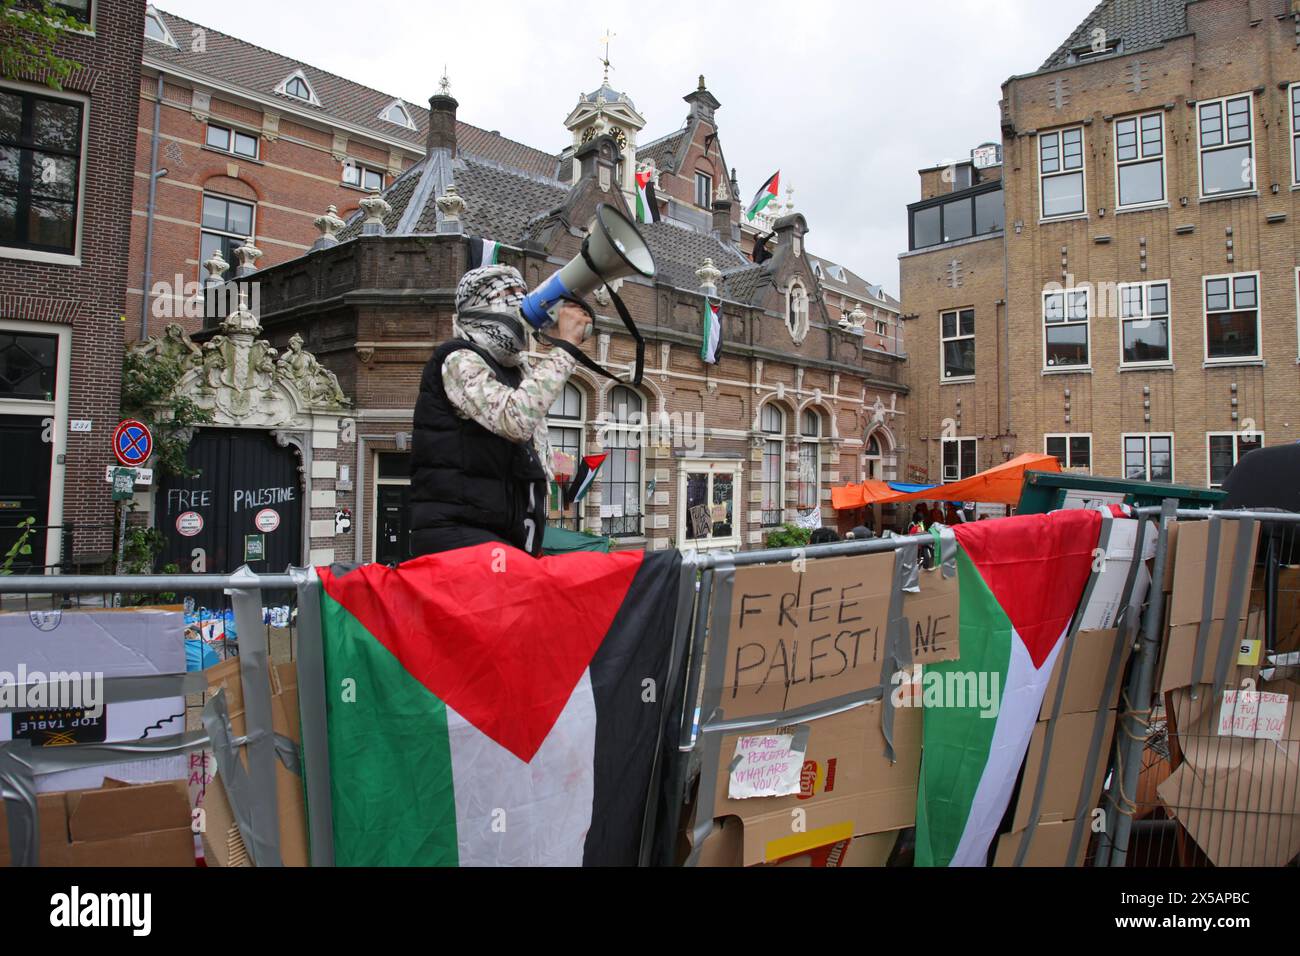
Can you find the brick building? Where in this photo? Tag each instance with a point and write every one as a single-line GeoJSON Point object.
{"type": "Point", "coordinates": [65, 220]}
{"type": "Point", "coordinates": [1147, 322]}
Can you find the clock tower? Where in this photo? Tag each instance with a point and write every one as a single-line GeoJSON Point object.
{"type": "Point", "coordinates": [607, 111]}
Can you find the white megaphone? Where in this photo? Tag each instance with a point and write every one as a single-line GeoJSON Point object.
{"type": "Point", "coordinates": [613, 249]}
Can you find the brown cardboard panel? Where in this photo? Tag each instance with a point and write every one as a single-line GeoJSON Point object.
{"type": "Point", "coordinates": [1179, 653]}
{"type": "Point", "coordinates": [1089, 665]}
{"type": "Point", "coordinates": [1189, 571]}
{"type": "Point", "coordinates": [122, 811]}
{"type": "Point", "coordinates": [1171, 559]}
{"type": "Point", "coordinates": [934, 619]}
{"type": "Point", "coordinates": [797, 638]}
{"type": "Point", "coordinates": [725, 847]}
{"type": "Point", "coordinates": [173, 847]}
{"type": "Point", "coordinates": [52, 813]}
{"type": "Point", "coordinates": [1050, 845]}
{"type": "Point", "coordinates": [849, 786]}
{"type": "Point", "coordinates": [1071, 741]}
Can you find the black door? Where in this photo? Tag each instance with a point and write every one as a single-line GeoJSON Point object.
{"type": "Point", "coordinates": [243, 507]}
{"type": "Point", "coordinates": [394, 544]}
{"type": "Point", "coordinates": [25, 462]}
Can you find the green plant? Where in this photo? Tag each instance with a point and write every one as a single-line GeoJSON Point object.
{"type": "Point", "coordinates": [143, 545]}
{"type": "Point", "coordinates": [788, 536]}
{"type": "Point", "coordinates": [22, 547]}
{"type": "Point", "coordinates": [147, 394]}
{"type": "Point", "coordinates": [29, 33]}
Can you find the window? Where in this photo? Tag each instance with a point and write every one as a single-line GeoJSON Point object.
{"type": "Point", "coordinates": [362, 177]}
{"type": "Point", "coordinates": [1060, 172]}
{"type": "Point", "coordinates": [708, 500]}
{"type": "Point", "coordinates": [232, 141]}
{"type": "Point", "coordinates": [1149, 457]}
{"type": "Point", "coordinates": [958, 333]}
{"type": "Point", "coordinates": [704, 190]}
{"type": "Point", "coordinates": [1225, 450]}
{"type": "Point", "coordinates": [810, 428]}
{"type": "Point", "coordinates": [1295, 134]}
{"type": "Point", "coordinates": [1232, 317]}
{"type": "Point", "coordinates": [40, 171]}
{"type": "Point", "coordinates": [1144, 323]}
{"type": "Point", "coordinates": [1072, 451]}
{"type": "Point", "coordinates": [564, 429]}
{"type": "Point", "coordinates": [396, 113]}
{"type": "Point", "coordinates": [936, 221]}
{"type": "Point", "coordinates": [621, 481]}
{"type": "Point", "coordinates": [391, 532]}
{"type": "Point", "coordinates": [772, 424]}
{"type": "Point", "coordinates": [79, 10]}
{"type": "Point", "coordinates": [961, 176]}
{"type": "Point", "coordinates": [959, 459]}
{"type": "Point", "coordinates": [226, 224]}
{"type": "Point", "coordinates": [155, 29]}
{"type": "Point", "coordinates": [1227, 144]}
{"type": "Point", "coordinates": [1065, 328]}
{"type": "Point", "coordinates": [28, 366]}
{"type": "Point", "coordinates": [873, 461]}
{"type": "Point", "coordinates": [296, 85]}
{"type": "Point", "coordinates": [1140, 160]}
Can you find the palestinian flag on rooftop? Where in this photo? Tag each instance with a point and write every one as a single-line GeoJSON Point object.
{"type": "Point", "coordinates": [491, 709]}
{"type": "Point", "coordinates": [1020, 580]}
{"type": "Point", "coordinates": [647, 204]}
{"type": "Point", "coordinates": [766, 193]}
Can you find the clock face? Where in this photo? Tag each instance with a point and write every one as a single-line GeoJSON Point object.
{"type": "Point", "coordinates": [620, 137]}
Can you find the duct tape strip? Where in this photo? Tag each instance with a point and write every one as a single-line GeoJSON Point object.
{"type": "Point", "coordinates": [18, 789]}
{"type": "Point", "coordinates": [898, 649]}
{"type": "Point", "coordinates": [77, 756]}
{"type": "Point", "coordinates": [822, 708]}
{"type": "Point", "coordinates": [115, 690]}
{"type": "Point", "coordinates": [1215, 533]}
{"type": "Point", "coordinates": [239, 783]}
{"type": "Point", "coordinates": [285, 749]}
{"type": "Point", "coordinates": [1036, 806]}
{"type": "Point", "coordinates": [311, 706]}
{"type": "Point", "coordinates": [1243, 562]}
{"type": "Point", "coordinates": [948, 552]}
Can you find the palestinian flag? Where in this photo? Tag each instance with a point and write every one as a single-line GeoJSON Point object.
{"type": "Point", "coordinates": [711, 334]}
{"type": "Point", "coordinates": [647, 205]}
{"type": "Point", "coordinates": [766, 193]}
{"type": "Point", "coordinates": [582, 479]}
{"type": "Point", "coordinates": [492, 709]}
{"type": "Point", "coordinates": [1020, 581]}
{"type": "Point", "coordinates": [483, 252]}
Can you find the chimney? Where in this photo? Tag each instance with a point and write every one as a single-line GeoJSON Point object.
{"type": "Point", "coordinates": [596, 158]}
{"type": "Point", "coordinates": [703, 103]}
{"type": "Point", "coordinates": [442, 121]}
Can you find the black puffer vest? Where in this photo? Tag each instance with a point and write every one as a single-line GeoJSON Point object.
{"type": "Point", "coordinates": [469, 485]}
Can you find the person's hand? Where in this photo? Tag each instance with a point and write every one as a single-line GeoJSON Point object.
{"type": "Point", "coordinates": [571, 323]}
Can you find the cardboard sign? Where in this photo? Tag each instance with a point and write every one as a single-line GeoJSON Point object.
{"type": "Point", "coordinates": [700, 527]}
{"type": "Point", "coordinates": [766, 765]}
{"type": "Point", "coordinates": [934, 619]}
{"type": "Point", "coordinates": [1259, 715]}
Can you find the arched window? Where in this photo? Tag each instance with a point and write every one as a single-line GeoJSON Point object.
{"type": "Point", "coordinates": [564, 430]}
{"type": "Point", "coordinates": [396, 113]}
{"type": "Point", "coordinates": [296, 85]}
{"type": "Point", "coordinates": [772, 424]}
{"type": "Point", "coordinates": [810, 431]}
{"type": "Point", "coordinates": [873, 460]}
{"type": "Point", "coordinates": [621, 488]}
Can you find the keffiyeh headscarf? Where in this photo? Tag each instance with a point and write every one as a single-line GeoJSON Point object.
{"type": "Point", "coordinates": [487, 312]}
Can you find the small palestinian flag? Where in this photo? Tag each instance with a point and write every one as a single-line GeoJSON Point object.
{"type": "Point", "coordinates": [582, 478]}
{"type": "Point", "coordinates": [483, 252]}
{"type": "Point", "coordinates": [766, 193]}
{"type": "Point", "coordinates": [490, 709]}
{"type": "Point", "coordinates": [647, 205]}
{"type": "Point", "coordinates": [711, 334]}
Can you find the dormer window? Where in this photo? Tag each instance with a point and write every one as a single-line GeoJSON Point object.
{"type": "Point", "coordinates": [296, 85]}
{"type": "Point", "coordinates": [396, 113]}
{"type": "Point", "coordinates": [704, 190]}
{"type": "Point", "coordinates": [155, 29]}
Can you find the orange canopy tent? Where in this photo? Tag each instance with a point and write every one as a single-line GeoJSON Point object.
{"type": "Point", "coordinates": [1000, 484]}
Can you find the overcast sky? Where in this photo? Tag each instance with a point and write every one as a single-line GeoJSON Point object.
{"type": "Point", "coordinates": [847, 99]}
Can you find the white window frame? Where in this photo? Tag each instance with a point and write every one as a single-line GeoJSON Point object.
{"type": "Point", "coordinates": [362, 169]}
{"type": "Point", "coordinates": [1292, 106]}
{"type": "Point", "coordinates": [1236, 450]}
{"type": "Point", "coordinates": [713, 466]}
{"type": "Point", "coordinates": [571, 424]}
{"type": "Point", "coordinates": [37, 255]}
{"type": "Point", "coordinates": [1232, 301]}
{"type": "Point", "coordinates": [944, 377]}
{"type": "Point", "coordinates": [1167, 318]}
{"type": "Point", "coordinates": [777, 438]}
{"type": "Point", "coordinates": [637, 435]}
{"type": "Point", "coordinates": [231, 132]}
{"type": "Point", "coordinates": [815, 443]}
{"type": "Point", "coordinates": [944, 443]}
{"type": "Point", "coordinates": [1146, 451]}
{"type": "Point", "coordinates": [1082, 171]}
{"type": "Point", "coordinates": [283, 90]}
{"type": "Point", "coordinates": [1136, 119]}
{"type": "Point", "coordinates": [406, 111]}
{"type": "Point", "coordinates": [1069, 457]}
{"type": "Point", "coordinates": [1222, 102]}
{"type": "Point", "coordinates": [151, 12]}
{"type": "Point", "coordinates": [58, 411]}
{"type": "Point", "coordinates": [709, 185]}
{"type": "Point", "coordinates": [1086, 322]}
{"type": "Point", "coordinates": [252, 228]}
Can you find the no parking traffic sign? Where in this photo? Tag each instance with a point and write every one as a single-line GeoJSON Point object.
{"type": "Point", "coordinates": [132, 442]}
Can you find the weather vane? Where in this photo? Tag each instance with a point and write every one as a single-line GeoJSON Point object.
{"type": "Point", "coordinates": [444, 85]}
{"type": "Point", "coordinates": [609, 35]}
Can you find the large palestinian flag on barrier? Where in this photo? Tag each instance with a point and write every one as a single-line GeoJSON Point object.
{"type": "Point", "coordinates": [490, 709]}
{"type": "Point", "coordinates": [1020, 581]}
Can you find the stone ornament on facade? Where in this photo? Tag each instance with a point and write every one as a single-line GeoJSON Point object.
{"type": "Point", "coordinates": [376, 208]}
{"type": "Point", "coordinates": [216, 267]}
{"type": "Point", "coordinates": [329, 225]}
{"type": "Point", "coordinates": [247, 254]}
{"type": "Point", "coordinates": [708, 274]}
{"type": "Point", "coordinates": [450, 208]}
{"type": "Point", "coordinates": [796, 311]}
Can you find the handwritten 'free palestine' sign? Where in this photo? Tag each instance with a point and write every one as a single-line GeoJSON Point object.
{"type": "Point", "coordinates": [766, 765]}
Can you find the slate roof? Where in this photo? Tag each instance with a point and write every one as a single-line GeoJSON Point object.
{"type": "Point", "coordinates": [1141, 24]}
{"type": "Point", "coordinates": [662, 150]}
{"type": "Point", "coordinates": [501, 202]}
{"type": "Point", "coordinates": [237, 63]}
{"type": "Point", "coordinates": [853, 283]}
{"type": "Point", "coordinates": [679, 252]}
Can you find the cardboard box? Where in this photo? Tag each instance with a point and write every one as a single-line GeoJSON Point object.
{"type": "Point", "coordinates": [1103, 606]}
{"type": "Point", "coordinates": [1192, 551]}
{"type": "Point", "coordinates": [117, 825]}
{"type": "Point", "coordinates": [1049, 847]}
{"type": "Point", "coordinates": [725, 848]}
{"type": "Point", "coordinates": [222, 843]}
{"type": "Point", "coordinates": [848, 788]}
{"type": "Point", "coordinates": [1086, 680]}
{"type": "Point", "coordinates": [1237, 797]}
{"type": "Point", "coordinates": [1179, 653]}
{"type": "Point", "coordinates": [1071, 742]}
